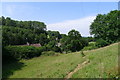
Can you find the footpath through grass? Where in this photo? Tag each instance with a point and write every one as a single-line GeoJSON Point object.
{"type": "Point", "coordinates": [103, 63]}
{"type": "Point", "coordinates": [45, 66]}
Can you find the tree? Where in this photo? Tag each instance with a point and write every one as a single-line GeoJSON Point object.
{"type": "Point", "coordinates": [101, 43]}
{"type": "Point", "coordinates": [73, 34]}
{"type": "Point", "coordinates": [21, 32]}
{"type": "Point", "coordinates": [53, 35]}
{"type": "Point", "coordinates": [107, 26]}
{"type": "Point", "coordinates": [76, 45]}
{"type": "Point", "coordinates": [43, 39]}
{"type": "Point", "coordinates": [8, 21]}
{"type": "Point", "coordinates": [2, 20]}
{"type": "Point", "coordinates": [73, 42]}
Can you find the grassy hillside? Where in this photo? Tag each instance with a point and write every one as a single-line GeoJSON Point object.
{"type": "Point", "coordinates": [103, 63]}
{"type": "Point", "coordinates": [42, 67]}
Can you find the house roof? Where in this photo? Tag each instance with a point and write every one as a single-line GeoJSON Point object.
{"type": "Point", "coordinates": [35, 45]}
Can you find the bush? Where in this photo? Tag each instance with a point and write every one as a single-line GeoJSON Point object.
{"type": "Point", "coordinates": [82, 53]}
{"type": "Point", "coordinates": [49, 53]}
{"type": "Point", "coordinates": [56, 49]}
{"type": "Point", "coordinates": [91, 45]}
{"type": "Point", "coordinates": [6, 56]}
{"type": "Point", "coordinates": [51, 46]}
{"type": "Point", "coordinates": [84, 42]}
{"type": "Point", "coordinates": [101, 43]}
{"type": "Point", "coordinates": [23, 52]}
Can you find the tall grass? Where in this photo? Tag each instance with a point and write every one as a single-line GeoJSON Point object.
{"type": "Point", "coordinates": [103, 63]}
{"type": "Point", "coordinates": [46, 66]}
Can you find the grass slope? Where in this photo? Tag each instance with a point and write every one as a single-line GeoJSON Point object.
{"type": "Point", "coordinates": [103, 63]}
{"type": "Point", "coordinates": [45, 66]}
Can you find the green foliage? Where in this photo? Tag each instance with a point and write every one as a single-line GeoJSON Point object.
{"type": "Point", "coordinates": [23, 52]}
{"type": "Point", "coordinates": [21, 32]}
{"type": "Point", "coordinates": [73, 42]}
{"type": "Point", "coordinates": [84, 42]}
{"type": "Point", "coordinates": [42, 39]}
{"type": "Point", "coordinates": [75, 45]}
{"type": "Point", "coordinates": [90, 46]}
{"type": "Point", "coordinates": [89, 39]}
{"type": "Point", "coordinates": [54, 38]}
{"type": "Point", "coordinates": [73, 34]}
{"type": "Point", "coordinates": [18, 36]}
{"type": "Point", "coordinates": [101, 43]}
{"type": "Point", "coordinates": [107, 26]}
{"type": "Point", "coordinates": [53, 35]}
{"type": "Point", "coordinates": [102, 64]}
{"type": "Point", "coordinates": [37, 27]}
{"type": "Point", "coordinates": [7, 57]}
{"type": "Point", "coordinates": [52, 46]}
{"type": "Point", "coordinates": [82, 53]}
{"type": "Point", "coordinates": [49, 53]}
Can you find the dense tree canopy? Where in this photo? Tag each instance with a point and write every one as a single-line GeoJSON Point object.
{"type": "Point", "coordinates": [36, 26]}
{"type": "Point", "coordinates": [73, 42]}
{"type": "Point", "coordinates": [21, 32]}
{"type": "Point", "coordinates": [74, 34]}
{"type": "Point", "coordinates": [53, 35]}
{"type": "Point", "coordinates": [19, 36]}
{"type": "Point", "coordinates": [107, 26]}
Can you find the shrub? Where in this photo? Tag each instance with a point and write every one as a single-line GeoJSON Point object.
{"type": "Point", "coordinates": [52, 47]}
{"type": "Point", "coordinates": [41, 49]}
{"type": "Point", "coordinates": [56, 49]}
{"type": "Point", "coordinates": [82, 54]}
{"type": "Point", "coordinates": [6, 56]}
{"type": "Point", "coordinates": [49, 53]}
{"type": "Point", "coordinates": [101, 43]}
{"type": "Point", "coordinates": [84, 42]}
{"type": "Point", "coordinates": [23, 52]}
{"type": "Point", "coordinates": [91, 45]}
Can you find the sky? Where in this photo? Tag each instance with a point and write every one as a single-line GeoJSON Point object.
{"type": "Point", "coordinates": [59, 16]}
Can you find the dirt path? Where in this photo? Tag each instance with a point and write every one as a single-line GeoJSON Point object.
{"type": "Point", "coordinates": [79, 66]}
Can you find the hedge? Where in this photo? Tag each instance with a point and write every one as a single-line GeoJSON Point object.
{"type": "Point", "coordinates": [23, 52]}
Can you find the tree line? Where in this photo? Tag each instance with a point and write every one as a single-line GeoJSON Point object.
{"type": "Point", "coordinates": [16, 33]}
{"type": "Point", "coordinates": [105, 29]}
{"type": "Point", "coordinates": [20, 32]}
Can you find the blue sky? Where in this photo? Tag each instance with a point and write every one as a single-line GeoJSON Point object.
{"type": "Point", "coordinates": [61, 16]}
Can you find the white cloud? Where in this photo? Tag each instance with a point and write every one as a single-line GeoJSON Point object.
{"type": "Point", "coordinates": [82, 25]}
